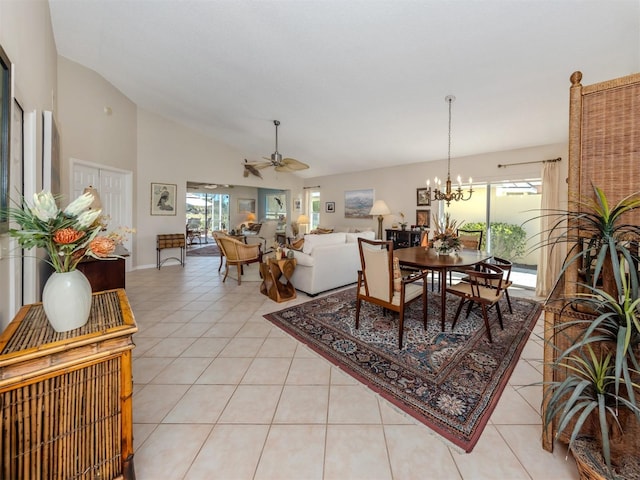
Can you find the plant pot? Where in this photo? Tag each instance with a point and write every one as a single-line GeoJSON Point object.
{"type": "Point", "coordinates": [66, 300]}
{"type": "Point", "coordinates": [591, 465]}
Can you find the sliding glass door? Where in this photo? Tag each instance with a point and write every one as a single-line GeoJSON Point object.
{"type": "Point", "coordinates": [501, 210]}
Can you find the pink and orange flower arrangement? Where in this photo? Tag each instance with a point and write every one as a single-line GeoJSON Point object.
{"type": "Point", "coordinates": [67, 235]}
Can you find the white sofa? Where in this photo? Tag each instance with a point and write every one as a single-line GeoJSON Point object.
{"type": "Point", "coordinates": [327, 261]}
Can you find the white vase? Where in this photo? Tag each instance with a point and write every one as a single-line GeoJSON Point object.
{"type": "Point", "coordinates": [66, 299]}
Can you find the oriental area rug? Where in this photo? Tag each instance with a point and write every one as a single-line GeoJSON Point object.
{"type": "Point", "coordinates": [451, 381]}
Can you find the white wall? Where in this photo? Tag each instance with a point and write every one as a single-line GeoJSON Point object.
{"type": "Point", "coordinates": [397, 185]}
{"type": "Point", "coordinates": [87, 132]}
{"type": "Point", "coordinates": [27, 38]}
{"type": "Point", "coordinates": [171, 153]}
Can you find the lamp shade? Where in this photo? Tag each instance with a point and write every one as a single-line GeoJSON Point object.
{"type": "Point", "coordinates": [251, 217]}
{"type": "Point", "coordinates": [380, 208]}
{"type": "Point", "coordinates": [303, 220]}
{"type": "Point", "coordinates": [96, 204]}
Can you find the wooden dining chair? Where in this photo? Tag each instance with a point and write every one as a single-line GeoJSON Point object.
{"type": "Point", "coordinates": [506, 266]}
{"type": "Point", "coordinates": [376, 283]}
{"type": "Point", "coordinates": [470, 240]}
{"type": "Point", "coordinates": [484, 287]}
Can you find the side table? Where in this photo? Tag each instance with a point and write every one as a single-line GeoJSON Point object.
{"type": "Point", "coordinates": [271, 271]}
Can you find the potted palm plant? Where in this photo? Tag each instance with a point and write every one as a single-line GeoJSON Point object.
{"type": "Point", "coordinates": [600, 393]}
{"type": "Point", "coordinates": [596, 393]}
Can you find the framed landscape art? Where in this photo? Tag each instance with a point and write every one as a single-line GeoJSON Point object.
{"type": "Point", "coordinates": [246, 205]}
{"type": "Point", "coordinates": [358, 203]}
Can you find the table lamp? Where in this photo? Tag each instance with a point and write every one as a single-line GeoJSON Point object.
{"type": "Point", "coordinates": [251, 217]}
{"type": "Point", "coordinates": [380, 208]}
{"type": "Point", "coordinates": [97, 203]}
{"type": "Point", "coordinates": [303, 220]}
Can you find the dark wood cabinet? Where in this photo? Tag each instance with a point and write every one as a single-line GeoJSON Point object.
{"type": "Point", "coordinates": [105, 274]}
{"type": "Point", "coordinates": [404, 238]}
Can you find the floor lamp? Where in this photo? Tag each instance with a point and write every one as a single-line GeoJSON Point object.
{"type": "Point", "coordinates": [380, 208]}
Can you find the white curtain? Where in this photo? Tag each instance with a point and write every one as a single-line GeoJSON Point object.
{"type": "Point", "coordinates": [549, 259]}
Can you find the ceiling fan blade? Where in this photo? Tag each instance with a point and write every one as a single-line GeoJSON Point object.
{"type": "Point", "coordinates": [258, 164]}
{"type": "Point", "coordinates": [283, 168]}
{"type": "Point", "coordinates": [294, 164]}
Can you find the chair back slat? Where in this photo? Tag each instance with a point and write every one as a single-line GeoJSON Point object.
{"type": "Point", "coordinates": [470, 239]}
{"type": "Point", "coordinates": [376, 259]}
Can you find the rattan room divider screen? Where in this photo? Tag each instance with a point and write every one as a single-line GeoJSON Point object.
{"type": "Point", "coordinates": [604, 150]}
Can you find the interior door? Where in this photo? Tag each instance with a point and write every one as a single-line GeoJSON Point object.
{"type": "Point", "coordinates": [115, 195]}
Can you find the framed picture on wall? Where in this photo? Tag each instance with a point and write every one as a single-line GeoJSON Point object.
{"type": "Point", "coordinates": [163, 198]}
{"type": "Point", "coordinates": [358, 203]}
{"type": "Point", "coordinates": [246, 205]}
{"type": "Point", "coordinates": [330, 207]}
{"type": "Point", "coordinates": [423, 197]}
{"type": "Point", "coordinates": [423, 218]}
{"type": "Point", "coordinates": [297, 204]}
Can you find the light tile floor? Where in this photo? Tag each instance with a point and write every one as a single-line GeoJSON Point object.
{"type": "Point", "coordinates": [220, 393]}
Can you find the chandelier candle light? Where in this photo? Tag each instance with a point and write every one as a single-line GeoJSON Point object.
{"type": "Point", "coordinates": [448, 194]}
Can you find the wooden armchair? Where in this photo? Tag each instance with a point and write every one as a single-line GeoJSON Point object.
{"type": "Point", "coordinates": [238, 254]}
{"type": "Point", "coordinates": [376, 283]}
{"type": "Point", "coordinates": [483, 287]}
{"type": "Point", "coordinates": [470, 240]}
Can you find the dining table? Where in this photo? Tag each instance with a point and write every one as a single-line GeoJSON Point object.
{"type": "Point", "coordinates": [429, 259]}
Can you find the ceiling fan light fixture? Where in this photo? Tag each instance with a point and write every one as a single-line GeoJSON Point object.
{"type": "Point", "coordinates": [275, 160]}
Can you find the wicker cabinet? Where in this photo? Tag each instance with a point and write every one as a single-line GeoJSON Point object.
{"type": "Point", "coordinates": [66, 398]}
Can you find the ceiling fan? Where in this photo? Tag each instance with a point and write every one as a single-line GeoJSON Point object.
{"type": "Point", "coordinates": [280, 164]}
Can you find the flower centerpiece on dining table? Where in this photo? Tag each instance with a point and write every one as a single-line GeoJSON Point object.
{"type": "Point", "coordinates": [68, 235]}
{"type": "Point", "coordinates": [445, 239]}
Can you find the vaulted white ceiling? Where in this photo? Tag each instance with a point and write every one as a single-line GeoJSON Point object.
{"type": "Point", "coordinates": [355, 84]}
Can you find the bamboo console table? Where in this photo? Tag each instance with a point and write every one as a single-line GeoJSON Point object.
{"type": "Point", "coordinates": [66, 398]}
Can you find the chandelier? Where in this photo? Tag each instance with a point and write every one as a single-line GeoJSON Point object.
{"type": "Point", "coordinates": [448, 194]}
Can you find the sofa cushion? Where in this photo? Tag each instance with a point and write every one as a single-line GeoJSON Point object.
{"type": "Point", "coordinates": [303, 259]}
{"type": "Point", "coordinates": [312, 241]}
{"type": "Point", "coordinates": [353, 237]}
{"type": "Point", "coordinates": [297, 244]}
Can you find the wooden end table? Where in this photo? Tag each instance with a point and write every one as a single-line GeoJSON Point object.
{"type": "Point", "coordinates": [271, 271]}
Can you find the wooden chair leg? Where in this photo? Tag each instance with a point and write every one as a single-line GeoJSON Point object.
{"type": "Point", "coordinates": [499, 315]}
{"type": "Point", "coordinates": [469, 309]}
{"type": "Point", "coordinates": [486, 321]}
{"type": "Point", "coordinates": [424, 305]}
{"type": "Point", "coordinates": [358, 301]}
{"type": "Point", "coordinates": [226, 272]}
{"type": "Point", "coordinates": [506, 294]}
{"type": "Point", "coordinates": [239, 274]}
{"type": "Point", "coordinates": [455, 319]}
{"type": "Point", "coordinates": [400, 328]}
